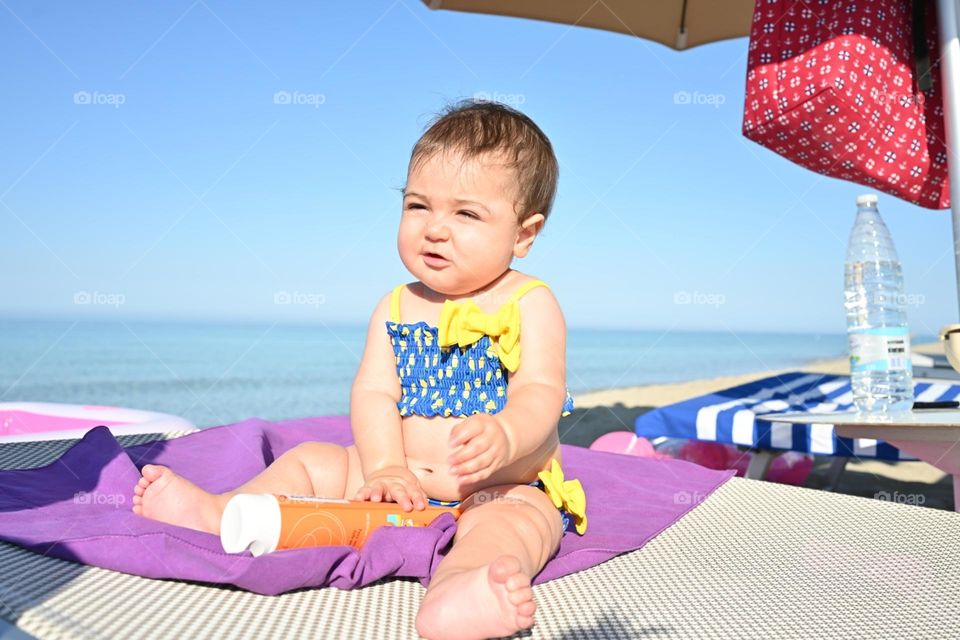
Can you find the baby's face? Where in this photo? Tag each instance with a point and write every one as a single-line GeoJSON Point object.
{"type": "Point", "coordinates": [459, 229]}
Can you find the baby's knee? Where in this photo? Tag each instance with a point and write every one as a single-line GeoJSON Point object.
{"type": "Point", "coordinates": [321, 460]}
{"type": "Point", "coordinates": [531, 520]}
{"type": "Point", "coordinates": [538, 532]}
{"type": "Point", "coordinates": [314, 452]}
{"type": "Point", "coordinates": [326, 465]}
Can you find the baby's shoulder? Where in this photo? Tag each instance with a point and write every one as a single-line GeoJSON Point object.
{"type": "Point", "coordinates": [539, 307]}
{"type": "Point", "coordinates": [530, 290]}
{"type": "Point", "coordinates": [381, 312]}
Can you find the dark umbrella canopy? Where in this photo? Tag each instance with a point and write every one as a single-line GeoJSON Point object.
{"type": "Point", "coordinates": [678, 24]}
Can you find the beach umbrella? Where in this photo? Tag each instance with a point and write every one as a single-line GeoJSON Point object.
{"type": "Point", "coordinates": [682, 24]}
{"type": "Point", "coordinates": [948, 12]}
{"type": "Point", "coordinates": [678, 24]}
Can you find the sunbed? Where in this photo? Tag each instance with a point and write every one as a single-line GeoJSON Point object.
{"type": "Point", "coordinates": [754, 560]}
{"type": "Point", "coordinates": [730, 416]}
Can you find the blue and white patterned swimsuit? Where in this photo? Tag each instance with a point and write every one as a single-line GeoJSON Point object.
{"type": "Point", "coordinates": [463, 378]}
{"type": "Point", "coordinates": [450, 380]}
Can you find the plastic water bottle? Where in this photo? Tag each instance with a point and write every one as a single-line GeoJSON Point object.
{"type": "Point", "coordinates": [880, 369]}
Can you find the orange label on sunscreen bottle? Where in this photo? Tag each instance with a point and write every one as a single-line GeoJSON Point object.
{"type": "Point", "coordinates": [262, 523]}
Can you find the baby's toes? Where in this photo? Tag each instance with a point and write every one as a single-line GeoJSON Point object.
{"type": "Point", "coordinates": [151, 472]}
{"type": "Point", "coordinates": [526, 610]}
{"type": "Point", "coordinates": [137, 509]}
{"type": "Point", "coordinates": [518, 581]}
{"type": "Point", "coordinates": [520, 595]}
{"type": "Point", "coordinates": [138, 499]}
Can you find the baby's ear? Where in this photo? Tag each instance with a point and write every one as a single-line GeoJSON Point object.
{"type": "Point", "coordinates": [527, 234]}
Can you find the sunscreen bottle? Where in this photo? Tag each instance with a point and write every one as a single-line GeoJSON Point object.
{"type": "Point", "coordinates": [262, 523]}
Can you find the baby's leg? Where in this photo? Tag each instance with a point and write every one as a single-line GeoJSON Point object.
{"type": "Point", "coordinates": [482, 587]}
{"type": "Point", "coordinates": [310, 468]}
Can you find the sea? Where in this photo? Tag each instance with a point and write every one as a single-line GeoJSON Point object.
{"type": "Point", "coordinates": [213, 374]}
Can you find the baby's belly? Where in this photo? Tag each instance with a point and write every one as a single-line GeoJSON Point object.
{"type": "Point", "coordinates": [426, 444]}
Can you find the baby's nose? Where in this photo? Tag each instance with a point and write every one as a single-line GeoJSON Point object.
{"type": "Point", "coordinates": [437, 231]}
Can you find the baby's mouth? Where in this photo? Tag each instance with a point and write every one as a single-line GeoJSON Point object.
{"type": "Point", "coordinates": [434, 259]}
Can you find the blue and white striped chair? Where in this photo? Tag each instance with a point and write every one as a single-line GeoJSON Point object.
{"type": "Point", "coordinates": [730, 416]}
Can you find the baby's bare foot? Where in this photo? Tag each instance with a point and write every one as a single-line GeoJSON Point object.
{"type": "Point", "coordinates": [163, 495]}
{"type": "Point", "coordinates": [487, 602]}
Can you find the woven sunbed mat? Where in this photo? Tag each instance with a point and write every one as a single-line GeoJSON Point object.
{"type": "Point", "coordinates": [754, 560]}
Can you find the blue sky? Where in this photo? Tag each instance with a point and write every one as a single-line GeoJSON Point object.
{"type": "Point", "coordinates": [150, 169]}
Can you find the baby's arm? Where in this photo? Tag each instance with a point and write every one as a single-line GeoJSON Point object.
{"type": "Point", "coordinates": [535, 396]}
{"type": "Point", "coordinates": [375, 421]}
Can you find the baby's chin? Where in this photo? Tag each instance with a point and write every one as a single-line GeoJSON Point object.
{"type": "Point", "coordinates": [445, 282]}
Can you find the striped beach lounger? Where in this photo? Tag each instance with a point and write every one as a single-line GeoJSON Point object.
{"type": "Point", "coordinates": [754, 560]}
{"type": "Point", "coordinates": [730, 416]}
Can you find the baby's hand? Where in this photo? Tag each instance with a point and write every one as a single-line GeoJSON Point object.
{"type": "Point", "coordinates": [481, 448]}
{"type": "Point", "coordinates": [396, 484]}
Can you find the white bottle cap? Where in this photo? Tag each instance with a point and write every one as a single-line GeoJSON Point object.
{"type": "Point", "coordinates": [867, 200]}
{"type": "Point", "coordinates": [250, 521]}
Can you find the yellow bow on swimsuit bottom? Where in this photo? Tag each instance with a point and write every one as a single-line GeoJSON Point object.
{"type": "Point", "coordinates": [463, 323]}
{"type": "Point", "coordinates": [567, 494]}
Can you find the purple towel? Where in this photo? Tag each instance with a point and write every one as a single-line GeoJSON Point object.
{"type": "Point", "coordinates": [79, 508]}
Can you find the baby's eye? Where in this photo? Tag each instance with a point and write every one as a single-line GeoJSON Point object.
{"type": "Point", "coordinates": [415, 205]}
{"type": "Point", "coordinates": [469, 214]}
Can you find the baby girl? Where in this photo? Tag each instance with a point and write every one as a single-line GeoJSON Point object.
{"type": "Point", "coordinates": [460, 387]}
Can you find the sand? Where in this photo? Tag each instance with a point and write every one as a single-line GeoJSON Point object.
{"type": "Point", "coordinates": [601, 412]}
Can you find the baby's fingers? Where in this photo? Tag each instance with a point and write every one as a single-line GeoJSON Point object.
{"type": "Point", "coordinates": [419, 499]}
{"type": "Point", "coordinates": [398, 493]}
{"type": "Point", "coordinates": [467, 451]}
{"type": "Point", "coordinates": [464, 432]}
{"type": "Point", "coordinates": [469, 458]}
{"type": "Point", "coordinates": [369, 494]}
{"type": "Point", "coordinates": [476, 469]}
{"type": "Point", "coordinates": [471, 478]}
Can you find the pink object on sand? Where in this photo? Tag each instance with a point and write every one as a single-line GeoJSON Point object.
{"type": "Point", "coordinates": [28, 421]}
{"type": "Point", "coordinates": [707, 454]}
{"type": "Point", "coordinates": [22, 422]}
{"type": "Point", "coordinates": [789, 467]}
{"type": "Point", "coordinates": [628, 444]}
{"type": "Point", "coordinates": [621, 442]}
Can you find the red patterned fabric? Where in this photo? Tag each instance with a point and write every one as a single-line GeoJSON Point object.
{"type": "Point", "coordinates": [831, 85]}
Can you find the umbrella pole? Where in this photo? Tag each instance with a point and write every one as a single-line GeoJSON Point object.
{"type": "Point", "coordinates": [949, 73]}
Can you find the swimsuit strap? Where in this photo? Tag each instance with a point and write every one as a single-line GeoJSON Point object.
{"type": "Point", "coordinates": [519, 293]}
{"type": "Point", "coordinates": [395, 303]}
{"type": "Point", "coordinates": [524, 288]}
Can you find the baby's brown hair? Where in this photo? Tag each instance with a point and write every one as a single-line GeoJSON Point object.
{"type": "Point", "coordinates": [476, 128]}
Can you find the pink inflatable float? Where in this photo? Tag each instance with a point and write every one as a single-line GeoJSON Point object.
{"type": "Point", "coordinates": [789, 467]}
{"type": "Point", "coordinates": [27, 421]}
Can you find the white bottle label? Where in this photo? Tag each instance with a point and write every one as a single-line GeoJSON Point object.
{"type": "Point", "coordinates": [882, 349]}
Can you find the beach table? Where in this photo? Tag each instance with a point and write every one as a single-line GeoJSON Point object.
{"type": "Point", "coordinates": [932, 435]}
{"type": "Point", "coordinates": [734, 416]}
{"type": "Point", "coordinates": [755, 560]}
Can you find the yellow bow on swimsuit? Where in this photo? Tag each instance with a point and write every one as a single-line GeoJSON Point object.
{"type": "Point", "coordinates": [567, 494]}
{"type": "Point", "coordinates": [463, 323]}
